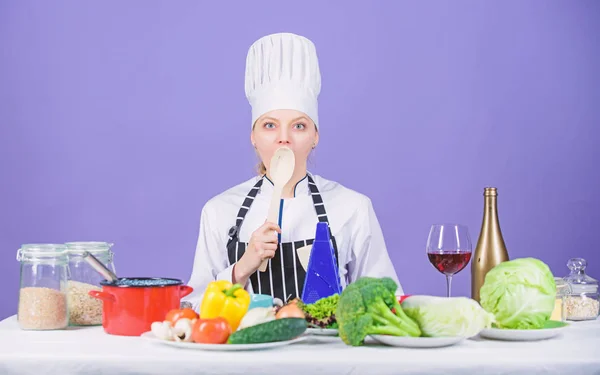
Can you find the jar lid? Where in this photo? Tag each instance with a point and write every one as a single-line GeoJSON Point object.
{"type": "Point", "coordinates": [46, 250]}
{"type": "Point", "coordinates": [579, 281]}
{"type": "Point", "coordinates": [90, 246]}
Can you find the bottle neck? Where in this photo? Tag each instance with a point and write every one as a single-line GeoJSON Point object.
{"type": "Point", "coordinates": [491, 203]}
{"type": "Point", "coordinates": [491, 209]}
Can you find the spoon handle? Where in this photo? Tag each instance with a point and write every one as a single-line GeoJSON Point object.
{"type": "Point", "coordinates": [99, 267]}
{"type": "Point", "coordinates": [273, 216]}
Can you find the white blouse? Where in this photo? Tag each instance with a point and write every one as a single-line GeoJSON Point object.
{"type": "Point", "coordinates": [361, 246]}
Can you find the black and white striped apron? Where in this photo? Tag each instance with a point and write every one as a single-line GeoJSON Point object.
{"type": "Point", "coordinates": [284, 276]}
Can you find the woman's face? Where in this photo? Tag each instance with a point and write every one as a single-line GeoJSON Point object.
{"type": "Point", "coordinates": [284, 127]}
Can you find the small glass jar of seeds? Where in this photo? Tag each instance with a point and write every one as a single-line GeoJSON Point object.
{"type": "Point", "coordinates": [583, 301]}
{"type": "Point", "coordinates": [43, 287]}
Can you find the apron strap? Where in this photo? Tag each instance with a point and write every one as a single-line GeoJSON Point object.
{"type": "Point", "coordinates": [321, 212]}
{"type": "Point", "coordinates": [234, 230]}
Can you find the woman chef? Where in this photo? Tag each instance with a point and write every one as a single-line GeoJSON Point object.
{"type": "Point", "coordinates": [282, 85]}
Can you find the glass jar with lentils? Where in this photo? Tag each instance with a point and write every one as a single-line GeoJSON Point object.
{"type": "Point", "coordinates": [85, 310]}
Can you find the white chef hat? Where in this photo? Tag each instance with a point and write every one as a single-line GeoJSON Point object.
{"type": "Point", "coordinates": [282, 72]}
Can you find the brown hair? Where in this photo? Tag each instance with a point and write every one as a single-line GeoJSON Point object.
{"type": "Point", "coordinates": [261, 169]}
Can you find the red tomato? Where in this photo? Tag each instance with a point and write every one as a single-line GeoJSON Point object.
{"type": "Point", "coordinates": [174, 315]}
{"type": "Point", "coordinates": [211, 331]}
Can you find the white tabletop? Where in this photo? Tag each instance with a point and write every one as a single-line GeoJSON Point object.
{"type": "Point", "coordinates": [91, 351]}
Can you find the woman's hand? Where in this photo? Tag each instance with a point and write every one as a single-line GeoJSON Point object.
{"type": "Point", "coordinates": [262, 245]}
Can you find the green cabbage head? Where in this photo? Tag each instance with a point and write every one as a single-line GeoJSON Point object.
{"type": "Point", "coordinates": [520, 293]}
{"type": "Point", "coordinates": [445, 317]}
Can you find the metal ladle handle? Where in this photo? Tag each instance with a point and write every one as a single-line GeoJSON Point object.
{"type": "Point", "coordinates": [99, 266]}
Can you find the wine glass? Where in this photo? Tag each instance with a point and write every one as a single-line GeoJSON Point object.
{"type": "Point", "coordinates": [449, 249]}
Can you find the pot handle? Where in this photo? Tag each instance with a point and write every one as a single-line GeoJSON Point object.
{"type": "Point", "coordinates": [106, 297]}
{"type": "Point", "coordinates": [184, 290]}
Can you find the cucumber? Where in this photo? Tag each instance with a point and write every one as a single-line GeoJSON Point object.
{"type": "Point", "coordinates": [275, 330]}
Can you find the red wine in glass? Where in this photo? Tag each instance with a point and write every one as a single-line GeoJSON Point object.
{"type": "Point", "coordinates": [449, 250]}
{"type": "Point", "coordinates": [449, 263]}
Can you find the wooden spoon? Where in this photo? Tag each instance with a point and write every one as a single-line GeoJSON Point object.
{"type": "Point", "coordinates": [282, 169]}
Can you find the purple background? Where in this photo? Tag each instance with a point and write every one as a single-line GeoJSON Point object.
{"type": "Point", "coordinates": [120, 120]}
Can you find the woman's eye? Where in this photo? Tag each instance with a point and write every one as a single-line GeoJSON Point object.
{"type": "Point", "coordinates": [269, 125]}
{"type": "Point", "coordinates": [299, 126]}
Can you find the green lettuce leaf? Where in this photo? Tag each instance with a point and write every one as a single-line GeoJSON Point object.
{"type": "Point", "coordinates": [520, 293]}
{"type": "Point", "coordinates": [445, 317]}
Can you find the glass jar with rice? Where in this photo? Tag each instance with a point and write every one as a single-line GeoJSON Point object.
{"type": "Point", "coordinates": [85, 310]}
{"type": "Point", "coordinates": [583, 300]}
{"type": "Point", "coordinates": [43, 287]}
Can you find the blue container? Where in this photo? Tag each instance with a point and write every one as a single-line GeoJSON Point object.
{"type": "Point", "coordinates": [322, 276]}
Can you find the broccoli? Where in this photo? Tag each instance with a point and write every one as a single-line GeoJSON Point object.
{"type": "Point", "coordinates": [365, 308]}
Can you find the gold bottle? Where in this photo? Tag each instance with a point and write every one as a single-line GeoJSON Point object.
{"type": "Point", "coordinates": [490, 249]}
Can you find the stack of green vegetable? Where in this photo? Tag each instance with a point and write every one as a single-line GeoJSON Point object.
{"type": "Point", "coordinates": [517, 294]}
{"type": "Point", "coordinates": [369, 307]}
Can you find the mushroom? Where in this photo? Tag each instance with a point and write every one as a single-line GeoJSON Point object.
{"type": "Point", "coordinates": [256, 316]}
{"type": "Point", "coordinates": [182, 330]}
{"type": "Point", "coordinates": [162, 330]}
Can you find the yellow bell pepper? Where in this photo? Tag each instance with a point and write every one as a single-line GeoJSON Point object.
{"type": "Point", "coordinates": [226, 300]}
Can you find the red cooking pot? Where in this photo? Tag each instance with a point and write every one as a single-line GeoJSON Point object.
{"type": "Point", "coordinates": [131, 305]}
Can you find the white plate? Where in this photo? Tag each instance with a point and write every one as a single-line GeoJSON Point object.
{"type": "Point", "coordinates": [149, 336]}
{"type": "Point", "coordinates": [552, 329]}
{"type": "Point", "coordinates": [322, 331]}
{"type": "Point", "coordinates": [417, 342]}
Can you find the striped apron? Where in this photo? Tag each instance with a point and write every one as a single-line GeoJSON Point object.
{"type": "Point", "coordinates": [284, 276]}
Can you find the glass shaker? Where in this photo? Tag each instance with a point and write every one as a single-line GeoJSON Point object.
{"type": "Point", "coordinates": [43, 287]}
{"type": "Point", "coordinates": [85, 310]}
{"type": "Point", "coordinates": [583, 301]}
